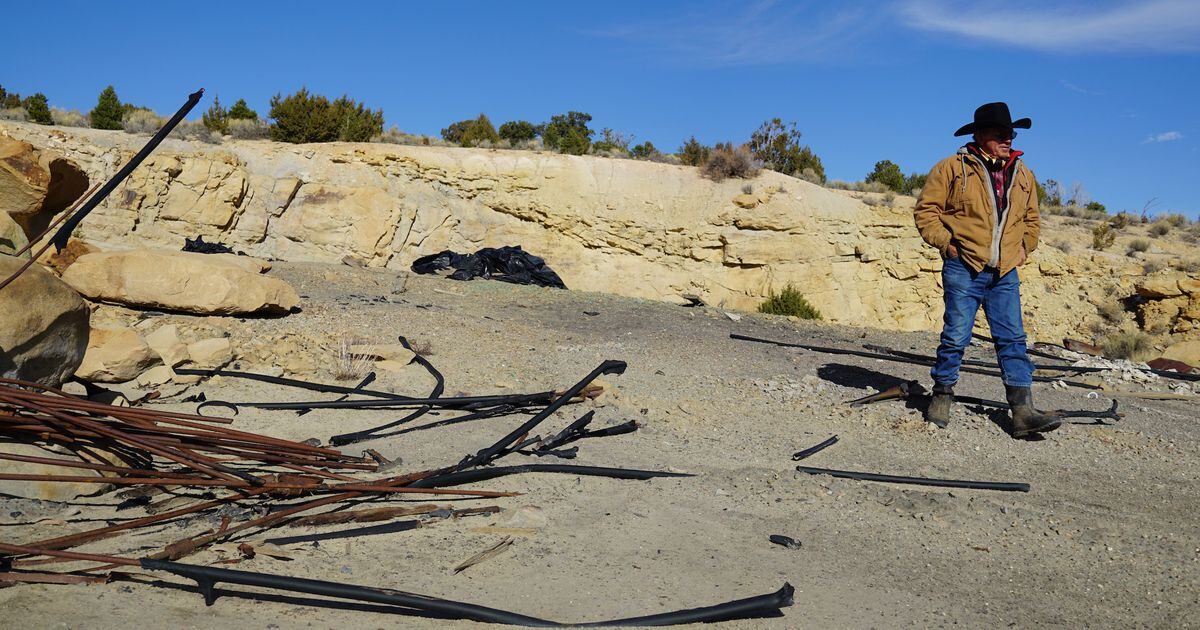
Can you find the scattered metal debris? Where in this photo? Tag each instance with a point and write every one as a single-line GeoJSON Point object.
{"type": "Point", "coordinates": [920, 481]}
{"type": "Point", "coordinates": [490, 552]}
{"type": "Point", "coordinates": [785, 541]}
{"type": "Point", "coordinates": [813, 450]}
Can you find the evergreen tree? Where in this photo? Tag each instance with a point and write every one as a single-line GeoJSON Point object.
{"type": "Point", "coordinates": [569, 133]}
{"type": "Point", "coordinates": [242, 111]}
{"type": "Point", "coordinates": [38, 109]}
{"type": "Point", "coordinates": [778, 146]}
{"type": "Point", "coordinates": [479, 131]}
{"type": "Point", "coordinates": [303, 117]}
{"type": "Point", "coordinates": [887, 173]}
{"type": "Point", "coordinates": [216, 118]}
{"type": "Point", "coordinates": [357, 123]}
{"type": "Point", "coordinates": [107, 113]}
{"type": "Point", "coordinates": [692, 153]}
{"type": "Point", "coordinates": [518, 131]}
{"type": "Point", "coordinates": [9, 100]}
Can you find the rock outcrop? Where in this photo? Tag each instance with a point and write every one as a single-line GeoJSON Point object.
{"type": "Point", "coordinates": [36, 183]}
{"type": "Point", "coordinates": [629, 227]}
{"type": "Point", "coordinates": [43, 326]}
{"type": "Point", "coordinates": [204, 284]}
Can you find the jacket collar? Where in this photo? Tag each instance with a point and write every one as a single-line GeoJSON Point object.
{"type": "Point", "coordinates": [971, 149]}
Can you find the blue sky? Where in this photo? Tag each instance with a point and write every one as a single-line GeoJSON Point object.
{"type": "Point", "coordinates": [1111, 85]}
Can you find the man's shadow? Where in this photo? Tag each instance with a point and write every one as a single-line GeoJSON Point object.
{"type": "Point", "coordinates": [864, 378]}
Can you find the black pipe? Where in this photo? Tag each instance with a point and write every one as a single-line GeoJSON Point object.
{"type": "Point", "coordinates": [453, 402]}
{"type": "Point", "coordinates": [888, 357]}
{"type": "Point", "coordinates": [373, 433]}
{"type": "Point", "coordinates": [64, 232]}
{"type": "Point", "coordinates": [813, 450]}
{"type": "Point", "coordinates": [488, 454]}
{"type": "Point", "coordinates": [751, 607]}
{"type": "Point", "coordinates": [368, 434]}
{"type": "Point", "coordinates": [919, 481]}
{"type": "Point", "coordinates": [288, 382]}
{"type": "Point", "coordinates": [361, 384]}
{"type": "Point", "coordinates": [208, 577]}
{"type": "Point", "coordinates": [440, 381]}
{"type": "Point", "coordinates": [482, 474]}
{"type": "Point", "coordinates": [353, 532]}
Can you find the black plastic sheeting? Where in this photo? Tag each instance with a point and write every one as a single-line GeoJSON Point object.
{"type": "Point", "coordinates": [507, 264]}
{"type": "Point", "coordinates": [207, 578]}
{"type": "Point", "coordinates": [200, 246]}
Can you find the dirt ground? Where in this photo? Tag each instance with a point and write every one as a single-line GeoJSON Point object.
{"type": "Point", "coordinates": [1107, 537]}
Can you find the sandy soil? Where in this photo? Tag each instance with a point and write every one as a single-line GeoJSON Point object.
{"type": "Point", "coordinates": [1107, 537]}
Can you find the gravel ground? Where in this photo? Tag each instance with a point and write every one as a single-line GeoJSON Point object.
{"type": "Point", "coordinates": [1107, 537]}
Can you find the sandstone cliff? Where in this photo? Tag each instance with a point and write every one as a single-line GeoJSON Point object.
{"type": "Point", "coordinates": [629, 227]}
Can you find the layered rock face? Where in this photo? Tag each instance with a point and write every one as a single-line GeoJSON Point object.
{"type": "Point", "coordinates": [633, 228]}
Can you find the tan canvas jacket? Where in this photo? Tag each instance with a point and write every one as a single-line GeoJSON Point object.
{"type": "Point", "coordinates": [957, 204]}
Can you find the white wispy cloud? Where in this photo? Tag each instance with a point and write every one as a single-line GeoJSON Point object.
{"type": "Point", "coordinates": [1166, 136]}
{"type": "Point", "coordinates": [1075, 88]}
{"type": "Point", "coordinates": [738, 34]}
{"type": "Point", "coordinates": [1148, 26]}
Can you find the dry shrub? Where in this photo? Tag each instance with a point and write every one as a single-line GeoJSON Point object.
{"type": "Point", "coordinates": [727, 160]}
{"type": "Point", "coordinates": [350, 366]}
{"type": "Point", "coordinates": [1112, 312]}
{"type": "Point", "coordinates": [421, 348]}
{"type": "Point", "coordinates": [1137, 246]}
{"type": "Point", "coordinates": [1151, 266]}
{"type": "Point", "coordinates": [1175, 220]}
{"type": "Point", "coordinates": [1103, 236]}
{"type": "Point", "coordinates": [1127, 344]}
{"type": "Point", "coordinates": [14, 113]}
{"type": "Point", "coordinates": [1188, 266]}
{"type": "Point", "coordinates": [69, 118]}
{"type": "Point", "coordinates": [395, 136]}
{"type": "Point", "coordinates": [142, 121]}
{"type": "Point", "coordinates": [1160, 228]}
{"type": "Point", "coordinates": [1062, 246]}
{"type": "Point", "coordinates": [195, 130]}
{"type": "Point", "coordinates": [248, 128]}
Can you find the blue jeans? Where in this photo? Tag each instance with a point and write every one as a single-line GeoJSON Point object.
{"type": "Point", "coordinates": [1000, 296]}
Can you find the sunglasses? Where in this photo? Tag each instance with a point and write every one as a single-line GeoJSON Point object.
{"type": "Point", "coordinates": [1003, 134]}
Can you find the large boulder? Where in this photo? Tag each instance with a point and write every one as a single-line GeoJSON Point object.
{"type": "Point", "coordinates": [36, 184]}
{"type": "Point", "coordinates": [115, 355]}
{"type": "Point", "coordinates": [179, 281]}
{"type": "Point", "coordinates": [12, 237]}
{"type": "Point", "coordinates": [43, 326]}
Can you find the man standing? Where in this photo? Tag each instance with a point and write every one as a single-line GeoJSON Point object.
{"type": "Point", "coordinates": [979, 208]}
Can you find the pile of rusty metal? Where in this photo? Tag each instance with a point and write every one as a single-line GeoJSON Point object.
{"type": "Point", "coordinates": [140, 452]}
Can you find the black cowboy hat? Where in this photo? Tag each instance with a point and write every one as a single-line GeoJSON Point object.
{"type": "Point", "coordinates": [993, 115]}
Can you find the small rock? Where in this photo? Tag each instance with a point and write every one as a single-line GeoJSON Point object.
{"type": "Point", "coordinates": [165, 342]}
{"type": "Point", "coordinates": [115, 355]}
{"type": "Point", "coordinates": [155, 376]}
{"type": "Point", "coordinates": [211, 353]}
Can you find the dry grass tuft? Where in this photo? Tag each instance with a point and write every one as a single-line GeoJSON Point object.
{"type": "Point", "coordinates": [1127, 344]}
{"type": "Point", "coordinates": [350, 366]}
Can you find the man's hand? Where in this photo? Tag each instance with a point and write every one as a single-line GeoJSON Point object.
{"type": "Point", "coordinates": [951, 250]}
{"type": "Point", "coordinates": [1022, 256]}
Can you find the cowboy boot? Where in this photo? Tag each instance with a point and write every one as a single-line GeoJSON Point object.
{"type": "Point", "coordinates": [938, 411]}
{"type": "Point", "coordinates": [1025, 419]}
